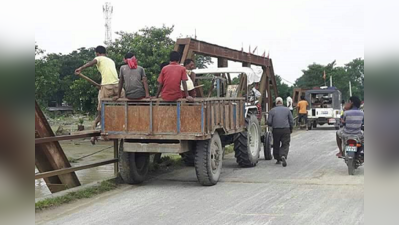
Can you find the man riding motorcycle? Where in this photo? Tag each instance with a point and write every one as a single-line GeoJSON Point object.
{"type": "Point", "coordinates": [352, 121]}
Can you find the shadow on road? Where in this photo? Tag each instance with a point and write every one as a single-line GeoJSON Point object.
{"type": "Point", "coordinates": [324, 128]}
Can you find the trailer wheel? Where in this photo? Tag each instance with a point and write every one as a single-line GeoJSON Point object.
{"type": "Point", "coordinates": [247, 143]}
{"type": "Point", "coordinates": [189, 157]}
{"type": "Point", "coordinates": [267, 146]}
{"type": "Point", "coordinates": [208, 160]}
{"type": "Point", "coordinates": [133, 167]}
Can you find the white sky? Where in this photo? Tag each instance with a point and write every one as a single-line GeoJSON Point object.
{"type": "Point", "coordinates": [297, 33]}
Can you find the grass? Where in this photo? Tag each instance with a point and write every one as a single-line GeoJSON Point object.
{"type": "Point", "coordinates": [229, 149]}
{"type": "Point", "coordinates": [72, 160]}
{"type": "Point", "coordinates": [167, 161]}
{"type": "Point", "coordinates": [86, 193]}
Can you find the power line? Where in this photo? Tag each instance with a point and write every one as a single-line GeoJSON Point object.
{"type": "Point", "coordinates": [287, 81]}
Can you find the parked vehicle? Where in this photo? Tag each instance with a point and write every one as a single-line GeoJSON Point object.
{"type": "Point", "coordinates": [354, 153]}
{"type": "Point", "coordinates": [198, 130]}
{"type": "Point", "coordinates": [324, 107]}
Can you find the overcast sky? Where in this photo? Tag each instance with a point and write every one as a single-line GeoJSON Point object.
{"type": "Point", "coordinates": [297, 33]}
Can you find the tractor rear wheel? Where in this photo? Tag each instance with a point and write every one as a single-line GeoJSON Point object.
{"type": "Point", "coordinates": [247, 143]}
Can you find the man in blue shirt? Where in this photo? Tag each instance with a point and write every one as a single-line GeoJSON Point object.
{"type": "Point", "coordinates": [352, 121]}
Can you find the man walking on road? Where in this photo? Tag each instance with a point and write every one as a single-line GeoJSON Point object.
{"type": "Point", "coordinates": [289, 103]}
{"type": "Point", "coordinates": [281, 120]}
{"type": "Point", "coordinates": [302, 111]}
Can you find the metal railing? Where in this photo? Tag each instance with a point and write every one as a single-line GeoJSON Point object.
{"type": "Point", "coordinates": [77, 168]}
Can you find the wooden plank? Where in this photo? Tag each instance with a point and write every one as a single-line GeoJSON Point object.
{"type": "Point", "coordinates": [224, 115]}
{"type": "Point", "coordinates": [185, 53]}
{"type": "Point", "coordinates": [153, 148]}
{"type": "Point", "coordinates": [204, 48]}
{"type": "Point", "coordinates": [114, 118]}
{"type": "Point", "coordinates": [138, 118]}
{"type": "Point", "coordinates": [230, 115]}
{"type": "Point", "coordinates": [185, 136]}
{"type": "Point", "coordinates": [50, 156]}
{"type": "Point", "coordinates": [122, 100]}
{"type": "Point", "coordinates": [72, 169]}
{"type": "Point", "coordinates": [263, 86]}
{"type": "Point", "coordinates": [92, 133]}
{"type": "Point", "coordinates": [208, 117]}
{"type": "Point", "coordinates": [165, 119]}
{"type": "Point", "coordinates": [190, 118]}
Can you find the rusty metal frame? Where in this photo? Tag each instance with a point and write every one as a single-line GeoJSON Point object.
{"type": "Point", "coordinates": [187, 47]}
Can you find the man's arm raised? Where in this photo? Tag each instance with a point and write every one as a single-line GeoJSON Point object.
{"type": "Point", "coordinates": [89, 64]}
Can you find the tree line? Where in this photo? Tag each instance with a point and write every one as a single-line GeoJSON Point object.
{"type": "Point", "coordinates": [341, 75]}
{"type": "Point", "coordinates": [56, 82]}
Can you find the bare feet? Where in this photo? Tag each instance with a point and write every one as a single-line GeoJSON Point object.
{"type": "Point", "coordinates": [339, 155]}
{"type": "Point", "coordinates": [93, 140]}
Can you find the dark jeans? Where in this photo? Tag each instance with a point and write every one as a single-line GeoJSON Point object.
{"type": "Point", "coordinates": [303, 116]}
{"type": "Point", "coordinates": [281, 142]}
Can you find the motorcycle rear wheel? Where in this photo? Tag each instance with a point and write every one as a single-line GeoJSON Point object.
{"type": "Point", "coordinates": [351, 166]}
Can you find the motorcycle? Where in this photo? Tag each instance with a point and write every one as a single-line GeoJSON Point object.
{"type": "Point", "coordinates": [354, 153]}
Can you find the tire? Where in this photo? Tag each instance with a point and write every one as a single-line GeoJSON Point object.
{"type": "Point", "coordinates": [133, 167]}
{"type": "Point", "coordinates": [267, 146]}
{"type": "Point", "coordinates": [208, 160]}
{"type": "Point", "coordinates": [189, 157]}
{"type": "Point", "coordinates": [351, 164]}
{"type": "Point", "coordinates": [336, 127]}
{"type": "Point", "coordinates": [310, 127]}
{"type": "Point", "coordinates": [247, 145]}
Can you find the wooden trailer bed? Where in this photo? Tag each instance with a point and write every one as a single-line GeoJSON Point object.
{"type": "Point", "coordinates": [160, 120]}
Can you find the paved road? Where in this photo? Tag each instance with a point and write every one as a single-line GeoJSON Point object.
{"type": "Point", "coordinates": [314, 189]}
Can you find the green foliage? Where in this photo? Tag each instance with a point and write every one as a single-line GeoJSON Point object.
{"type": "Point", "coordinates": [151, 45]}
{"type": "Point", "coordinates": [283, 88]}
{"type": "Point", "coordinates": [202, 62]}
{"type": "Point", "coordinates": [85, 193]}
{"type": "Point", "coordinates": [236, 80]}
{"type": "Point", "coordinates": [81, 121]}
{"type": "Point", "coordinates": [353, 71]}
{"type": "Point", "coordinates": [54, 73]}
{"type": "Point", "coordinates": [47, 77]}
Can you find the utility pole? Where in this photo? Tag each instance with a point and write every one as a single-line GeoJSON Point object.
{"type": "Point", "coordinates": [350, 89]}
{"type": "Point", "coordinates": [330, 81]}
{"type": "Point", "coordinates": [107, 11]}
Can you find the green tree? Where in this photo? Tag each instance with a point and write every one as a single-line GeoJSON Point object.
{"type": "Point", "coordinates": [283, 88]}
{"type": "Point", "coordinates": [151, 45]}
{"type": "Point", "coordinates": [54, 73]}
{"type": "Point", "coordinates": [74, 90]}
{"type": "Point", "coordinates": [46, 77]}
{"type": "Point", "coordinates": [353, 71]}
